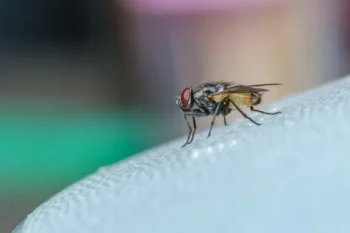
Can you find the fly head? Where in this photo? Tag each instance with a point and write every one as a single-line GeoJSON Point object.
{"type": "Point", "coordinates": [185, 100]}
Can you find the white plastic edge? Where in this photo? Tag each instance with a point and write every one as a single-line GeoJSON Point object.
{"type": "Point", "coordinates": [292, 174]}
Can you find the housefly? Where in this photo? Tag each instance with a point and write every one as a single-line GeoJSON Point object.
{"type": "Point", "coordinates": [219, 98]}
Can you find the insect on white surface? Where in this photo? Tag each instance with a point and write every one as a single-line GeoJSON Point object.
{"type": "Point", "coordinates": [219, 98]}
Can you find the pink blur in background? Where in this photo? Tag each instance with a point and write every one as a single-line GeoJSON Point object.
{"type": "Point", "coordinates": [190, 6]}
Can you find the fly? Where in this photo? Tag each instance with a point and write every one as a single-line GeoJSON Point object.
{"type": "Point", "coordinates": [219, 98]}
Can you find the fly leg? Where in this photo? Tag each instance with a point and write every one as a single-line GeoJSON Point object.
{"type": "Point", "coordinates": [212, 122]}
{"type": "Point", "coordinates": [267, 113]}
{"type": "Point", "coordinates": [225, 120]}
{"type": "Point", "coordinates": [225, 112]}
{"type": "Point", "coordinates": [243, 113]}
{"type": "Point", "coordinates": [189, 131]}
{"type": "Point", "coordinates": [194, 129]}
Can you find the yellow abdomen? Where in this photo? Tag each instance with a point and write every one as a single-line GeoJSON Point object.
{"type": "Point", "coordinates": [239, 98]}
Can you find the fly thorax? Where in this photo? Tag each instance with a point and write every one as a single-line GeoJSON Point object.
{"type": "Point", "coordinates": [201, 97]}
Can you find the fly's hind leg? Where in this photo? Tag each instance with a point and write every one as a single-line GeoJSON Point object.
{"type": "Point", "coordinates": [243, 113]}
{"type": "Point", "coordinates": [267, 113]}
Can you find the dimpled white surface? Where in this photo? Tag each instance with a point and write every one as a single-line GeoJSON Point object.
{"type": "Point", "coordinates": [292, 174]}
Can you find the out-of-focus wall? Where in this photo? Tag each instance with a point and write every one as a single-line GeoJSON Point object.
{"type": "Point", "coordinates": [68, 101]}
{"type": "Point", "coordinates": [297, 43]}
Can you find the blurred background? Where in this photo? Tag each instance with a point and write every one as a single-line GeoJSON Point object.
{"type": "Point", "coordinates": [84, 84]}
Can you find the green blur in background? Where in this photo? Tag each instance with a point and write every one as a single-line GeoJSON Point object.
{"type": "Point", "coordinates": [45, 148]}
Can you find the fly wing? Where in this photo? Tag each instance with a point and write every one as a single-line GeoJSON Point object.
{"type": "Point", "coordinates": [235, 92]}
{"type": "Point", "coordinates": [266, 84]}
{"type": "Point", "coordinates": [238, 88]}
{"type": "Point", "coordinates": [240, 94]}
{"type": "Point", "coordinates": [241, 89]}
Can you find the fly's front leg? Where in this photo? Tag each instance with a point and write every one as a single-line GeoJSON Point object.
{"type": "Point", "coordinates": [267, 113]}
{"type": "Point", "coordinates": [194, 129]}
{"type": "Point", "coordinates": [212, 122]}
{"type": "Point", "coordinates": [189, 131]}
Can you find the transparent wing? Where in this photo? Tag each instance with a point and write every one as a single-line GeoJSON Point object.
{"type": "Point", "coordinates": [238, 88]}
{"type": "Point", "coordinates": [265, 84]}
{"type": "Point", "coordinates": [241, 94]}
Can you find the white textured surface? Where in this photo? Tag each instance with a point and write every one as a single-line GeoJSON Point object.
{"type": "Point", "coordinates": [292, 174]}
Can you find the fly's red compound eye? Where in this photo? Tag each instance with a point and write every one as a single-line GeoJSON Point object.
{"type": "Point", "coordinates": [186, 97]}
